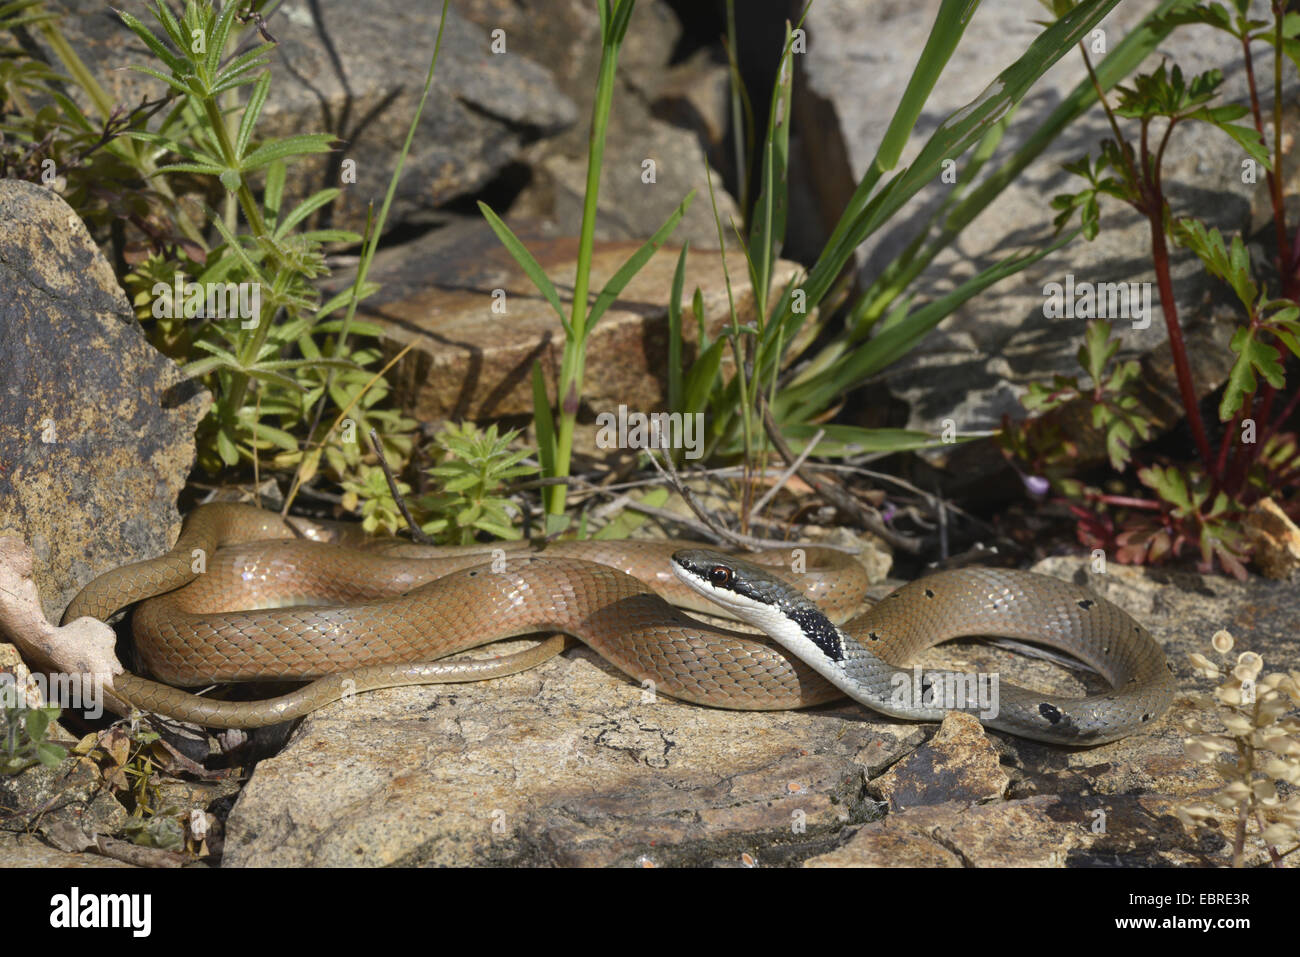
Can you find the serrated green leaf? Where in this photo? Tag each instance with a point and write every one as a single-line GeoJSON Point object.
{"type": "Point", "coordinates": [147, 36]}
{"type": "Point", "coordinates": [216, 42]}
{"type": "Point", "coordinates": [305, 209]}
{"type": "Point", "coordinates": [1252, 356]}
{"type": "Point", "coordinates": [36, 723]}
{"type": "Point", "coordinates": [249, 60]}
{"type": "Point", "coordinates": [172, 82]}
{"type": "Point", "coordinates": [1097, 349]}
{"type": "Point", "coordinates": [252, 110]}
{"type": "Point", "coordinates": [460, 483]}
{"type": "Point", "coordinates": [201, 367]}
{"type": "Point", "coordinates": [200, 168]}
{"type": "Point", "coordinates": [301, 145]}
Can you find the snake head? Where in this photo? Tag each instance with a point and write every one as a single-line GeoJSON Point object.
{"type": "Point", "coordinates": [753, 594]}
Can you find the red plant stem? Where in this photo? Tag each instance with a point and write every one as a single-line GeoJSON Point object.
{"type": "Point", "coordinates": [1221, 466]}
{"type": "Point", "coordinates": [1274, 183]}
{"type": "Point", "coordinates": [1242, 454]}
{"type": "Point", "coordinates": [1160, 256]}
{"type": "Point", "coordinates": [1280, 421]}
{"type": "Point", "coordinates": [1285, 255]}
{"type": "Point", "coordinates": [1264, 413]}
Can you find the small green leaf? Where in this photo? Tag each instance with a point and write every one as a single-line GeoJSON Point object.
{"type": "Point", "coordinates": [1097, 349]}
{"type": "Point", "coordinates": [226, 448]}
{"type": "Point", "coordinates": [305, 209]}
{"type": "Point", "coordinates": [50, 754]}
{"type": "Point", "coordinates": [274, 190]}
{"type": "Point", "coordinates": [628, 520]}
{"type": "Point", "coordinates": [36, 723]}
{"type": "Point", "coordinates": [252, 110]}
{"type": "Point", "coordinates": [1252, 356]}
{"type": "Point", "coordinates": [216, 42]}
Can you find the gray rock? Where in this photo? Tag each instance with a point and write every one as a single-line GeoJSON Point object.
{"type": "Point", "coordinates": [628, 206]}
{"type": "Point", "coordinates": [696, 95]}
{"type": "Point", "coordinates": [68, 803]}
{"type": "Point", "coordinates": [649, 98]}
{"type": "Point", "coordinates": [96, 427]}
{"type": "Point", "coordinates": [357, 70]}
{"type": "Point", "coordinates": [978, 362]}
{"type": "Point", "coordinates": [565, 37]}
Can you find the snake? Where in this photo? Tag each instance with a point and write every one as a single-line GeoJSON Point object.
{"type": "Point", "coordinates": [246, 596]}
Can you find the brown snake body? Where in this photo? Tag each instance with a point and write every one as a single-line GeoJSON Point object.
{"type": "Point", "coordinates": [368, 620]}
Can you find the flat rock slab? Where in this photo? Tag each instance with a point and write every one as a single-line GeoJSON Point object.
{"type": "Point", "coordinates": [569, 765]}
{"type": "Point", "coordinates": [96, 427]}
{"type": "Point", "coordinates": [1042, 831]}
{"type": "Point", "coordinates": [566, 764]}
{"type": "Point", "coordinates": [959, 763]}
{"type": "Point", "coordinates": [445, 294]}
{"type": "Point", "coordinates": [24, 850]}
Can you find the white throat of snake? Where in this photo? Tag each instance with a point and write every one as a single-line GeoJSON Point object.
{"type": "Point", "coordinates": [752, 594]}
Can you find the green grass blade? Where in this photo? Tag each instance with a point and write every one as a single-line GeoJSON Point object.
{"type": "Point", "coordinates": [964, 128]}
{"type": "Point", "coordinates": [1123, 58]}
{"type": "Point", "coordinates": [841, 440]}
{"type": "Point", "coordinates": [893, 343]}
{"type": "Point", "coordinates": [531, 267]}
{"type": "Point", "coordinates": [949, 25]}
{"type": "Point", "coordinates": [544, 425]}
{"type": "Point", "coordinates": [675, 332]}
{"type": "Point", "coordinates": [958, 133]}
{"type": "Point", "coordinates": [700, 380]}
{"type": "Point", "coordinates": [620, 279]}
{"type": "Point", "coordinates": [368, 251]}
{"type": "Point", "coordinates": [767, 234]}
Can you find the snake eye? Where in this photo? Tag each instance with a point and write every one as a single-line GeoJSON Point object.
{"type": "Point", "coordinates": [720, 575]}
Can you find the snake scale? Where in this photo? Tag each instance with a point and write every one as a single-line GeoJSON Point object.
{"type": "Point", "coordinates": [358, 619]}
